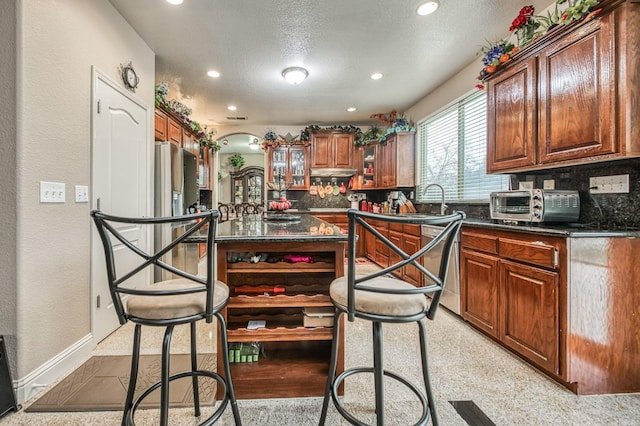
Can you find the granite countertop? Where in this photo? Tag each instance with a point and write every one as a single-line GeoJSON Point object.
{"type": "Point", "coordinates": [255, 228]}
{"type": "Point", "coordinates": [572, 230]}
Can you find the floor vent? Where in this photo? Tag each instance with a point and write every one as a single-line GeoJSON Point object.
{"type": "Point", "coordinates": [239, 117]}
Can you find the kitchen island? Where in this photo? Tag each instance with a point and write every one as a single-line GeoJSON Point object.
{"type": "Point", "coordinates": [276, 271]}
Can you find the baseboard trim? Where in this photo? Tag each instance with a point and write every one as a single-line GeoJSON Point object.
{"type": "Point", "coordinates": [53, 369]}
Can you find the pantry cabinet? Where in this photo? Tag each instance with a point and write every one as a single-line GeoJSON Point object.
{"type": "Point", "coordinates": [567, 98]}
{"type": "Point", "coordinates": [331, 149]}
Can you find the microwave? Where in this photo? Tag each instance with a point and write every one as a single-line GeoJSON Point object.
{"type": "Point", "coordinates": [535, 205]}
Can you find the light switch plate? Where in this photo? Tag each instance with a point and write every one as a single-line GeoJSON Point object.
{"type": "Point", "coordinates": [525, 185]}
{"type": "Point", "coordinates": [549, 184]}
{"type": "Point", "coordinates": [82, 194]}
{"type": "Point", "coordinates": [52, 192]}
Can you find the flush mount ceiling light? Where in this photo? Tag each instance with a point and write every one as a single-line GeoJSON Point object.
{"type": "Point", "coordinates": [427, 8]}
{"type": "Point", "coordinates": [176, 2]}
{"type": "Point", "coordinates": [213, 74]}
{"type": "Point", "coordinates": [295, 75]}
{"type": "Point", "coordinates": [376, 76]}
{"type": "Point", "coordinates": [254, 146]}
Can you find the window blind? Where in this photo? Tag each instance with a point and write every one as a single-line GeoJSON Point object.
{"type": "Point", "coordinates": [453, 153]}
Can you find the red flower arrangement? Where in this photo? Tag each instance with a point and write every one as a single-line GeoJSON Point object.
{"type": "Point", "coordinates": [525, 25]}
{"type": "Point", "coordinates": [523, 17]}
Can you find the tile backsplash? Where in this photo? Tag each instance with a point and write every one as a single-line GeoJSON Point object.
{"type": "Point", "coordinates": [605, 210]}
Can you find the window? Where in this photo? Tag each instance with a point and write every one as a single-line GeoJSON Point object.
{"type": "Point", "coordinates": [453, 153]}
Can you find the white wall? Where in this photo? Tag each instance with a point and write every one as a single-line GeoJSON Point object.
{"type": "Point", "coordinates": [57, 43]}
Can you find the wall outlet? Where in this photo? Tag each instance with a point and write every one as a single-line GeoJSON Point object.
{"type": "Point", "coordinates": [52, 192]}
{"type": "Point", "coordinates": [525, 185]}
{"type": "Point", "coordinates": [82, 194]}
{"type": "Point", "coordinates": [549, 184]}
{"type": "Point", "coordinates": [618, 184]}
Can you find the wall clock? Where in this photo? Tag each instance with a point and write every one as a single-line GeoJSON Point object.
{"type": "Point", "coordinates": [129, 77]}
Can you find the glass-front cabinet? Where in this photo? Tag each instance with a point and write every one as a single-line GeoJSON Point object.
{"type": "Point", "coordinates": [247, 185]}
{"type": "Point", "coordinates": [290, 164]}
{"type": "Point", "coordinates": [370, 165]}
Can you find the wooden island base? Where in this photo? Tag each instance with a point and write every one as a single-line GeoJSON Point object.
{"type": "Point", "coordinates": [294, 359]}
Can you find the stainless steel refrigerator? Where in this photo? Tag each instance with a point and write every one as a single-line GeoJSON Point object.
{"type": "Point", "coordinates": [175, 186]}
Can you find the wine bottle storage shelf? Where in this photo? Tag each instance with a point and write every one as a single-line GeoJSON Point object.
{"type": "Point", "coordinates": [280, 334]}
{"type": "Point", "coordinates": [296, 359]}
{"type": "Point", "coordinates": [299, 300]}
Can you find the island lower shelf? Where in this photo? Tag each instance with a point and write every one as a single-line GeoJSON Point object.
{"type": "Point", "coordinates": [294, 359]}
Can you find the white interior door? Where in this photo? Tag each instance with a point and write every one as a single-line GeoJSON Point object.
{"type": "Point", "coordinates": [121, 174]}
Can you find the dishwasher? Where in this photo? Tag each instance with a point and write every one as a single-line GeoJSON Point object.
{"type": "Point", "coordinates": [450, 297]}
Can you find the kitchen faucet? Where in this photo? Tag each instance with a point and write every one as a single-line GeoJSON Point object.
{"type": "Point", "coordinates": [443, 206]}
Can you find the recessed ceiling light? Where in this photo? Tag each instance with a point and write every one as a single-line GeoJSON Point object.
{"type": "Point", "coordinates": [176, 2]}
{"type": "Point", "coordinates": [295, 75]}
{"type": "Point", "coordinates": [376, 76]}
{"type": "Point", "coordinates": [427, 8]}
{"type": "Point", "coordinates": [351, 109]}
{"type": "Point", "coordinates": [213, 74]}
{"type": "Point", "coordinates": [232, 108]}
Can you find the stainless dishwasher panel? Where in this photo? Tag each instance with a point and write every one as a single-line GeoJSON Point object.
{"type": "Point", "coordinates": [450, 298]}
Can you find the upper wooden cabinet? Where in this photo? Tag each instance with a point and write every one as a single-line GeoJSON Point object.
{"type": "Point", "coordinates": [569, 97]}
{"type": "Point", "coordinates": [331, 149]}
{"type": "Point", "coordinates": [160, 124]}
{"type": "Point", "coordinates": [396, 161]}
{"type": "Point", "coordinates": [290, 163]}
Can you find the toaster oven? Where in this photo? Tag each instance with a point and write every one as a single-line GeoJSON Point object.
{"type": "Point", "coordinates": [535, 205]}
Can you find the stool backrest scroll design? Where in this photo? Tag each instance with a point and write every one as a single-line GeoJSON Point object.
{"type": "Point", "coordinates": [434, 280]}
{"type": "Point", "coordinates": [116, 276]}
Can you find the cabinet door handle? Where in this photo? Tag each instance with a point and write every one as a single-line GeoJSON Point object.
{"type": "Point", "coordinates": [555, 258]}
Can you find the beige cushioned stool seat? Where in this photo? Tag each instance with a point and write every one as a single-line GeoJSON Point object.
{"type": "Point", "coordinates": [175, 306]}
{"type": "Point", "coordinates": [380, 303]}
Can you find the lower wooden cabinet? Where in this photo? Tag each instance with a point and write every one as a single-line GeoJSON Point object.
{"type": "Point", "coordinates": [479, 300]}
{"type": "Point", "coordinates": [560, 302]}
{"type": "Point", "coordinates": [510, 287]}
{"type": "Point", "coordinates": [407, 237]}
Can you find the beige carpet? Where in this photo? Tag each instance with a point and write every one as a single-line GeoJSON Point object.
{"type": "Point", "coordinates": [100, 384]}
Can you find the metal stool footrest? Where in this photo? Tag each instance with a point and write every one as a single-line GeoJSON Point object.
{"type": "Point", "coordinates": [201, 373]}
{"type": "Point", "coordinates": [338, 404]}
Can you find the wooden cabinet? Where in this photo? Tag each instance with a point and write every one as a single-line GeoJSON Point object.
{"type": "Point", "coordinates": [512, 141]}
{"type": "Point", "coordinates": [511, 286]}
{"type": "Point", "coordinates": [160, 125]}
{"type": "Point", "coordinates": [247, 185]}
{"type": "Point", "coordinates": [405, 236]}
{"type": "Point", "coordinates": [331, 149]}
{"type": "Point", "coordinates": [290, 163]}
{"type": "Point", "coordinates": [567, 98]}
{"type": "Point", "coordinates": [295, 358]}
{"type": "Point", "coordinates": [174, 132]}
{"type": "Point", "coordinates": [204, 165]}
{"type": "Point", "coordinates": [561, 303]}
{"type": "Point", "coordinates": [396, 161]}
{"type": "Point", "coordinates": [368, 165]}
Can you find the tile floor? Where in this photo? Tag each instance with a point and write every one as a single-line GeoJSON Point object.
{"type": "Point", "coordinates": [465, 366]}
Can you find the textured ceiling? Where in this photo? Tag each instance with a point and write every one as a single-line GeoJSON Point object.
{"type": "Point", "coordinates": [340, 42]}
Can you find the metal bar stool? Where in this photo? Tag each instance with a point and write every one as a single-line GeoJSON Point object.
{"type": "Point", "coordinates": [380, 298]}
{"type": "Point", "coordinates": [182, 300]}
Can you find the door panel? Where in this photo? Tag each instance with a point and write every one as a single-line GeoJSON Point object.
{"type": "Point", "coordinates": [121, 149]}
